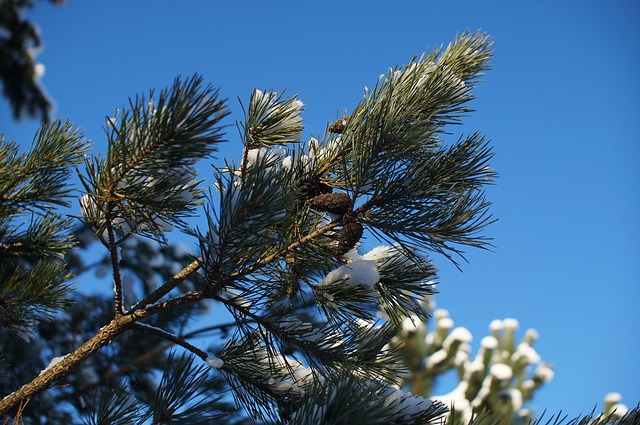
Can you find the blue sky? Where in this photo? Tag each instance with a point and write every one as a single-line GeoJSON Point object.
{"type": "Point", "coordinates": [560, 105]}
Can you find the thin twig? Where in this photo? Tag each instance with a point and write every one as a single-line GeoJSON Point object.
{"type": "Point", "coordinates": [117, 279]}
{"type": "Point", "coordinates": [143, 358]}
{"type": "Point", "coordinates": [170, 337]}
{"type": "Point", "coordinates": [259, 263]}
{"type": "Point", "coordinates": [168, 286]}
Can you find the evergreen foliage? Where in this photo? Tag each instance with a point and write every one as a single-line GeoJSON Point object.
{"type": "Point", "coordinates": [20, 42]}
{"type": "Point", "coordinates": [316, 323]}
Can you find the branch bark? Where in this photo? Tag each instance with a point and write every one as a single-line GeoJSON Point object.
{"type": "Point", "coordinates": [108, 333]}
{"type": "Point", "coordinates": [71, 361]}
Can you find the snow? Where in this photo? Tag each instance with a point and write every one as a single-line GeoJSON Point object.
{"type": "Point", "coordinates": [489, 343]}
{"type": "Point", "coordinates": [620, 409]}
{"type": "Point", "coordinates": [501, 371]}
{"type": "Point", "coordinates": [215, 362]}
{"type": "Point", "coordinates": [545, 373]}
{"type": "Point", "coordinates": [472, 368]}
{"type": "Point", "coordinates": [531, 335]}
{"type": "Point", "coordinates": [496, 325]}
{"type": "Point", "coordinates": [440, 313]}
{"type": "Point", "coordinates": [511, 324]}
{"type": "Point", "coordinates": [287, 162]}
{"type": "Point", "coordinates": [527, 352]}
{"type": "Point", "coordinates": [411, 324]}
{"type": "Point", "coordinates": [378, 253]}
{"type": "Point", "coordinates": [284, 113]}
{"type": "Point", "coordinates": [404, 404]}
{"type": "Point", "coordinates": [436, 359]}
{"type": "Point", "coordinates": [445, 323]}
{"type": "Point", "coordinates": [112, 122]}
{"type": "Point", "coordinates": [268, 155]}
{"type": "Point", "coordinates": [54, 361]}
{"type": "Point", "coordinates": [457, 399]}
{"type": "Point", "coordinates": [529, 385]}
{"type": "Point", "coordinates": [612, 398]}
{"type": "Point", "coordinates": [360, 272]}
{"type": "Point", "coordinates": [458, 334]}
{"type": "Point", "coordinates": [515, 396]}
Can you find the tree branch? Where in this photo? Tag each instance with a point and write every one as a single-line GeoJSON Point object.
{"type": "Point", "coordinates": [259, 263]}
{"type": "Point", "coordinates": [141, 359]}
{"type": "Point", "coordinates": [51, 374]}
{"type": "Point", "coordinates": [166, 287]}
{"type": "Point", "coordinates": [68, 363]}
{"type": "Point", "coordinates": [170, 337]}
{"type": "Point", "coordinates": [117, 279]}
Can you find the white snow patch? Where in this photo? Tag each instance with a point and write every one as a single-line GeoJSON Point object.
{"type": "Point", "coordinates": [501, 371]}
{"type": "Point", "coordinates": [440, 313]}
{"type": "Point", "coordinates": [496, 325]}
{"type": "Point", "coordinates": [404, 404]}
{"type": "Point", "coordinates": [515, 396]}
{"type": "Point", "coordinates": [489, 343]}
{"type": "Point", "coordinates": [458, 334]}
{"type": "Point", "coordinates": [511, 323]}
{"type": "Point", "coordinates": [445, 323]}
{"type": "Point", "coordinates": [620, 409]}
{"type": "Point", "coordinates": [527, 352]}
{"type": "Point", "coordinates": [436, 359]}
{"type": "Point", "coordinates": [360, 272]}
{"type": "Point", "coordinates": [545, 373]}
{"type": "Point", "coordinates": [613, 398]}
{"type": "Point", "coordinates": [215, 362]}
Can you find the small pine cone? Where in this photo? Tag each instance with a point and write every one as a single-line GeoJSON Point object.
{"type": "Point", "coordinates": [334, 203]}
{"type": "Point", "coordinates": [312, 187]}
{"type": "Point", "coordinates": [338, 126]}
{"type": "Point", "coordinates": [351, 234]}
{"type": "Point", "coordinates": [324, 187]}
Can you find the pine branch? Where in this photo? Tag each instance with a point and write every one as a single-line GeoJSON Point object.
{"type": "Point", "coordinates": [271, 120]}
{"type": "Point", "coordinates": [391, 157]}
{"type": "Point", "coordinates": [28, 295]}
{"type": "Point", "coordinates": [50, 375]}
{"type": "Point", "coordinates": [37, 181]}
{"type": "Point", "coordinates": [184, 395]}
{"type": "Point", "coordinates": [288, 249]}
{"type": "Point", "coordinates": [20, 74]}
{"type": "Point", "coordinates": [114, 406]}
{"type": "Point", "coordinates": [142, 359]}
{"type": "Point", "coordinates": [168, 286]}
{"type": "Point", "coordinates": [268, 238]}
{"type": "Point", "coordinates": [147, 181]}
{"type": "Point", "coordinates": [169, 337]}
{"type": "Point", "coordinates": [115, 267]}
{"type": "Point", "coordinates": [345, 399]}
{"type": "Point", "coordinates": [113, 329]}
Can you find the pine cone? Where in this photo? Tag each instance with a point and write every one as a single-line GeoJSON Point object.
{"type": "Point", "coordinates": [351, 234]}
{"type": "Point", "coordinates": [338, 126]}
{"type": "Point", "coordinates": [334, 203]}
{"type": "Point", "coordinates": [312, 187]}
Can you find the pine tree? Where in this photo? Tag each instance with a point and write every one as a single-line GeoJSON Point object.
{"type": "Point", "coordinates": [20, 42]}
{"type": "Point", "coordinates": [316, 322]}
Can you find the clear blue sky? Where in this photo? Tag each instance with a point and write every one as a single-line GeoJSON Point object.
{"type": "Point", "coordinates": [561, 106]}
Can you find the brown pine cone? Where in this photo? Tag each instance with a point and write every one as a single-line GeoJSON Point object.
{"type": "Point", "coordinates": [312, 187]}
{"type": "Point", "coordinates": [334, 203]}
{"type": "Point", "coordinates": [351, 234]}
{"type": "Point", "coordinates": [338, 126]}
